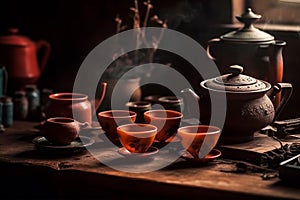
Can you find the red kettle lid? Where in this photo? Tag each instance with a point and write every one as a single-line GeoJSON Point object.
{"type": "Point", "coordinates": [13, 38]}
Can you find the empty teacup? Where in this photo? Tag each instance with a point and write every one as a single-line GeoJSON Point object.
{"type": "Point", "coordinates": [111, 119]}
{"type": "Point", "coordinates": [139, 107]}
{"type": "Point", "coordinates": [171, 103]}
{"type": "Point", "coordinates": [199, 140]}
{"type": "Point", "coordinates": [61, 130]}
{"type": "Point", "coordinates": [137, 138]}
{"type": "Point", "coordinates": [166, 121]}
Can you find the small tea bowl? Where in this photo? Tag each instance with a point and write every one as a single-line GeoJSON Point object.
{"type": "Point", "coordinates": [166, 121]}
{"type": "Point", "coordinates": [199, 140]}
{"type": "Point", "coordinates": [137, 138]}
{"type": "Point", "coordinates": [171, 103]}
{"type": "Point", "coordinates": [61, 130]}
{"type": "Point", "coordinates": [153, 99]}
{"type": "Point", "coordinates": [111, 119]}
{"type": "Point", "coordinates": [139, 107]}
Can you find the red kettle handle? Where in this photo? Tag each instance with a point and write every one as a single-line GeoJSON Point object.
{"type": "Point", "coordinates": [45, 48]}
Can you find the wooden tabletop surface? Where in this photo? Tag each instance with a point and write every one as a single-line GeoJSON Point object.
{"type": "Point", "coordinates": [84, 171]}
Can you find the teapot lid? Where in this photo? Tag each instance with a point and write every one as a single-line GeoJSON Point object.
{"type": "Point", "coordinates": [248, 33]}
{"type": "Point", "coordinates": [13, 38]}
{"type": "Point", "coordinates": [236, 82]}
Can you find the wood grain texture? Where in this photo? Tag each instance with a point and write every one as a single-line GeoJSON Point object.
{"type": "Point", "coordinates": [85, 175]}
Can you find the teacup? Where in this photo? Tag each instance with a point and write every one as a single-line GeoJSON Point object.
{"type": "Point", "coordinates": [166, 121]}
{"type": "Point", "coordinates": [153, 99]}
{"type": "Point", "coordinates": [171, 103]}
{"type": "Point", "coordinates": [139, 107]}
{"type": "Point", "coordinates": [199, 140]}
{"type": "Point", "coordinates": [137, 138]}
{"type": "Point", "coordinates": [111, 119]}
{"type": "Point", "coordinates": [61, 130]}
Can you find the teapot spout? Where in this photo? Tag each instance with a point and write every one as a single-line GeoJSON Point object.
{"type": "Point", "coordinates": [99, 100]}
{"type": "Point", "coordinates": [191, 100]}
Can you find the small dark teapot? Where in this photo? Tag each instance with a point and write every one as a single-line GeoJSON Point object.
{"type": "Point", "coordinates": [249, 103]}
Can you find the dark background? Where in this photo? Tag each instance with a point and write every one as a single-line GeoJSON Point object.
{"type": "Point", "coordinates": [74, 28]}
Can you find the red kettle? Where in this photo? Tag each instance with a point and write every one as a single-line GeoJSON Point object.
{"type": "Point", "coordinates": [23, 58]}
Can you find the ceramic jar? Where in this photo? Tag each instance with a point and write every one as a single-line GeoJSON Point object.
{"type": "Point", "coordinates": [71, 105]}
{"type": "Point", "coordinates": [121, 91]}
{"type": "Point", "coordinates": [20, 105]}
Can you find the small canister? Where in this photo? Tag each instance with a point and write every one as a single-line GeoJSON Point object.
{"type": "Point", "coordinates": [45, 96]}
{"type": "Point", "coordinates": [33, 97]}
{"type": "Point", "coordinates": [2, 129]}
{"type": "Point", "coordinates": [45, 93]}
{"type": "Point", "coordinates": [20, 105]}
{"type": "Point", "coordinates": [7, 111]}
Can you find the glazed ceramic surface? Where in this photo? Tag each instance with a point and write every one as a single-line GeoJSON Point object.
{"type": "Point", "coordinates": [24, 59]}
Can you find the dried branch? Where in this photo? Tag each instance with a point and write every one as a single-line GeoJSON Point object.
{"type": "Point", "coordinates": [140, 36]}
{"type": "Point", "coordinates": [149, 7]}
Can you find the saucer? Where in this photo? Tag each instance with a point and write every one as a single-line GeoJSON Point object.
{"type": "Point", "coordinates": [160, 144]}
{"type": "Point", "coordinates": [215, 153]}
{"type": "Point", "coordinates": [77, 145]}
{"type": "Point", "coordinates": [150, 152]}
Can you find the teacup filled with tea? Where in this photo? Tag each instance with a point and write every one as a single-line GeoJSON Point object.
{"type": "Point", "coordinates": [166, 121]}
{"type": "Point", "coordinates": [199, 140]}
{"type": "Point", "coordinates": [111, 119]}
{"type": "Point", "coordinates": [137, 138]}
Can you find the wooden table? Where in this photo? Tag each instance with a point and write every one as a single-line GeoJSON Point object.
{"type": "Point", "coordinates": [28, 172]}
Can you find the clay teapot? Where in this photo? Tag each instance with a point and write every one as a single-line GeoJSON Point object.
{"type": "Point", "coordinates": [249, 103]}
{"type": "Point", "coordinates": [256, 50]}
{"type": "Point", "coordinates": [74, 105]}
{"type": "Point", "coordinates": [24, 59]}
{"type": "Point", "coordinates": [61, 130]}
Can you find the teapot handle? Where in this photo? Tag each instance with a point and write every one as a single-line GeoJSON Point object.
{"type": "Point", "coordinates": [287, 90]}
{"type": "Point", "coordinates": [43, 44]}
{"type": "Point", "coordinates": [208, 51]}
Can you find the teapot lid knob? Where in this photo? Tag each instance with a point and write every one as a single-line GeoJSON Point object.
{"type": "Point", "coordinates": [248, 17]}
{"type": "Point", "coordinates": [236, 70]}
{"type": "Point", "coordinates": [248, 33]}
